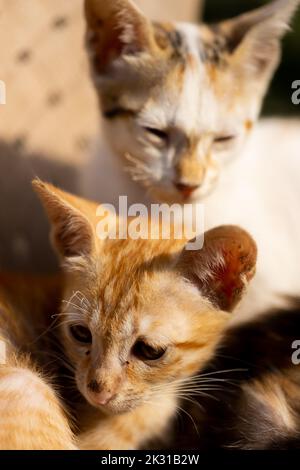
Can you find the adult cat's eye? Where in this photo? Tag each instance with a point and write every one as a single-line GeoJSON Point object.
{"type": "Point", "coordinates": [145, 352]}
{"type": "Point", "coordinates": [160, 134]}
{"type": "Point", "coordinates": [224, 139]}
{"type": "Point", "coordinates": [81, 333]}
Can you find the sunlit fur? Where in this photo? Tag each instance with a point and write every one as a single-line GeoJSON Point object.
{"type": "Point", "coordinates": [202, 85]}
{"type": "Point", "coordinates": [31, 415]}
{"type": "Point", "coordinates": [130, 290]}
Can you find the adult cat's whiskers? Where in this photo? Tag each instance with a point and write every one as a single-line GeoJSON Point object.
{"type": "Point", "coordinates": [139, 171]}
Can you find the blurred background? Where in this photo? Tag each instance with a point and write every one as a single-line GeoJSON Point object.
{"type": "Point", "coordinates": [51, 115]}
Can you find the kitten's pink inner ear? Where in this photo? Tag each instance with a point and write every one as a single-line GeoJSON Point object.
{"type": "Point", "coordinates": [224, 267]}
{"type": "Point", "coordinates": [115, 27]}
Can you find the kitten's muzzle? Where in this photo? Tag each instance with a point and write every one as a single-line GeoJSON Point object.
{"type": "Point", "coordinates": [98, 395]}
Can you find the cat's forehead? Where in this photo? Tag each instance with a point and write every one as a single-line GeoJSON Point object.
{"type": "Point", "coordinates": [127, 264]}
{"type": "Point", "coordinates": [137, 291]}
{"type": "Point", "coordinates": [185, 83]}
{"type": "Point", "coordinates": [197, 83]}
{"type": "Point", "coordinates": [152, 304]}
{"type": "Point", "coordinates": [206, 43]}
{"type": "Point", "coordinates": [131, 274]}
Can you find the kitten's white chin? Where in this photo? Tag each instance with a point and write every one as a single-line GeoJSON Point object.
{"type": "Point", "coordinates": [114, 407]}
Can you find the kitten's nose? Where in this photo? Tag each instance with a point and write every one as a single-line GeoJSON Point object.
{"type": "Point", "coordinates": [98, 394]}
{"type": "Point", "coordinates": [185, 189]}
{"type": "Point", "coordinates": [103, 398]}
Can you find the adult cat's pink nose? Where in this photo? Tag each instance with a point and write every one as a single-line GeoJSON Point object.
{"type": "Point", "coordinates": [186, 190]}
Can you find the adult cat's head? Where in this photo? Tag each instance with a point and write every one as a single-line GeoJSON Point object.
{"type": "Point", "coordinates": [141, 316]}
{"type": "Point", "coordinates": [178, 100]}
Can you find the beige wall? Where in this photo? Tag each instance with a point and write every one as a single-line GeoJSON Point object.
{"type": "Point", "coordinates": [183, 10]}
{"type": "Point", "coordinates": [51, 114]}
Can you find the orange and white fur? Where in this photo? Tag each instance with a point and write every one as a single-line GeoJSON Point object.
{"type": "Point", "coordinates": [179, 104]}
{"type": "Point", "coordinates": [140, 318]}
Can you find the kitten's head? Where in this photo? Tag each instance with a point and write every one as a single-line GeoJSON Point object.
{"type": "Point", "coordinates": [141, 316]}
{"type": "Point", "coordinates": [178, 100]}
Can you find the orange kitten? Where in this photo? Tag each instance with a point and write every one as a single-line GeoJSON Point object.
{"type": "Point", "coordinates": [140, 319]}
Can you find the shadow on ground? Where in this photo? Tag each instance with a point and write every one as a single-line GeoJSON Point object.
{"type": "Point", "coordinates": [24, 245]}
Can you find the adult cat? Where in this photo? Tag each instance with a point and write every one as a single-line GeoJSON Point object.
{"type": "Point", "coordinates": [179, 100]}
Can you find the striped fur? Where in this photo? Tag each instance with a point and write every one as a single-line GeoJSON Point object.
{"type": "Point", "coordinates": [31, 414]}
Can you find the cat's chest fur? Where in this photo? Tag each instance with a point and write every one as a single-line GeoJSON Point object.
{"type": "Point", "coordinates": [260, 191]}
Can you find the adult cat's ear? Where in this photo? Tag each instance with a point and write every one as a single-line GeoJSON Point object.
{"type": "Point", "coordinates": [72, 232]}
{"type": "Point", "coordinates": [254, 38]}
{"type": "Point", "coordinates": [114, 28]}
{"type": "Point", "coordinates": [223, 267]}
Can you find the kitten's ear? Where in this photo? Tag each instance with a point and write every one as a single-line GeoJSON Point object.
{"type": "Point", "coordinates": [223, 267]}
{"type": "Point", "coordinates": [72, 233]}
{"type": "Point", "coordinates": [114, 28]}
{"type": "Point", "coordinates": [254, 38]}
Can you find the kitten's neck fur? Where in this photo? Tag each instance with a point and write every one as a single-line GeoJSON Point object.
{"type": "Point", "coordinates": [146, 423]}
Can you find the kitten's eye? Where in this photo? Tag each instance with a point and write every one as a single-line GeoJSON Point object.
{"type": "Point", "coordinates": [162, 135]}
{"type": "Point", "coordinates": [81, 333]}
{"type": "Point", "coordinates": [145, 352]}
{"type": "Point", "coordinates": [224, 139]}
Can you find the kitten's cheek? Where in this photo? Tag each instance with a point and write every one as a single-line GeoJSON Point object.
{"type": "Point", "coordinates": [81, 381]}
